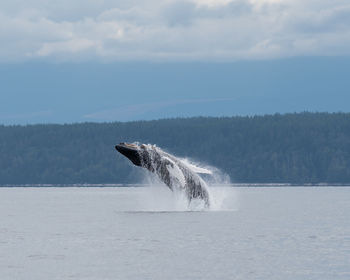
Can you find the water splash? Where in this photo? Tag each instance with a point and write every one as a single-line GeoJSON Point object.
{"type": "Point", "coordinates": [160, 198]}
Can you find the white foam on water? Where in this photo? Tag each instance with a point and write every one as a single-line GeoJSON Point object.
{"type": "Point", "coordinates": [159, 198]}
{"type": "Point", "coordinates": [223, 198]}
{"type": "Point", "coordinates": [222, 195]}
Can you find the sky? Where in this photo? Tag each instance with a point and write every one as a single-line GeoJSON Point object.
{"type": "Point", "coordinates": [103, 60]}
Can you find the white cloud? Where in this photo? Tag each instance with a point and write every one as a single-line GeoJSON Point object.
{"type": "Point", "coordinates": [218, 30]}
{"type": "Point", "coordinates": [71, 46]}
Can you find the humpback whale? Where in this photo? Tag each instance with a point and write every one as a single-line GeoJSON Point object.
{"type": "Point", "coordinates": [175, 173]}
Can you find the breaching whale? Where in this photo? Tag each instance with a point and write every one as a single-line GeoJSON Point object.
{"type": "Point", "coordinates": [175, 173]}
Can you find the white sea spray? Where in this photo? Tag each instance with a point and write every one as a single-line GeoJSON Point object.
{"type": "Point", "coordinates": [160, 198]}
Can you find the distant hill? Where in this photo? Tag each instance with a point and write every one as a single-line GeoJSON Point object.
{"type": "Point", "coordinates": [290, 148]}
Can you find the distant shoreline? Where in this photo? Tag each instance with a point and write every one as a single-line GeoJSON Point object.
{"type": "Point", "coordinates": [299, 149]}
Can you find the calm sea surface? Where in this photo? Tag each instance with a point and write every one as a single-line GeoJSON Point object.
{"type": "Point", "coordinates": [147, 233]}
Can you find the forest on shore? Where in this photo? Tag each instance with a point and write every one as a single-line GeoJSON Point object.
{"type": "Point", "coordinates": [298, 148]}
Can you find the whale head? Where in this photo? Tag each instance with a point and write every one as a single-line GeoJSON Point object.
{"type": "Point", "coordinates": [146, 156]}
{"type": "Point", "coordinates": [131, 151]}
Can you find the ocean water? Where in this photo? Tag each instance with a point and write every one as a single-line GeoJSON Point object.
{"type": "Point", "coordinates": [148, 233]}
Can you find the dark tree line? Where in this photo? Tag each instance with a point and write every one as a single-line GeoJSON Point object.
{"type": "Point", "coordinates": [290, 148]}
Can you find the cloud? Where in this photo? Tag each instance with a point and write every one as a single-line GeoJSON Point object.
{"type": "Point", "coordinates": [172, 30]}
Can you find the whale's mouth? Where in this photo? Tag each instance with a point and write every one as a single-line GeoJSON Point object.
{"type": "Point", "coordinates": [131, 151]}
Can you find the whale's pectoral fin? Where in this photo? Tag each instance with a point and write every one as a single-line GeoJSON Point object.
{"type": "Point", "coordinates": [175, 176]}
{"type": "Point", "coordinates": [195, 168]}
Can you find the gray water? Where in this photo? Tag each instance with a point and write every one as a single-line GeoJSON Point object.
{"type": "Point", "coordinates": [146, 233]}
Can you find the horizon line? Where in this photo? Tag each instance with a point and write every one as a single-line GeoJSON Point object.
{"type": "Point", "coordinates": [181, 118]}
